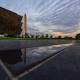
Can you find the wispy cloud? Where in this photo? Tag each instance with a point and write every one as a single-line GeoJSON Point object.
{"type": "Point", "coordinates": [48, 16]}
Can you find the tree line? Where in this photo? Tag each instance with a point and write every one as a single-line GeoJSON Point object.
{"type": "Point", "coordinates": [31, 36]}
{"type": "Point", "coordinates": [49, 36]}
{"type": "Point", "coordinates": [46, 36]}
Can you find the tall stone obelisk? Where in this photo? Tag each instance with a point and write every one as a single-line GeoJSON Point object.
{"type": "Point", "coordinates": [25, 25]}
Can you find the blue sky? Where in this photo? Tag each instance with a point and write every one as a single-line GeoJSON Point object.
{"type": "Point", "coordinates": [48, 16]}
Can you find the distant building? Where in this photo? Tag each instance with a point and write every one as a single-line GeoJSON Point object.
{"type": "Point", "coordinates": [10, 22]}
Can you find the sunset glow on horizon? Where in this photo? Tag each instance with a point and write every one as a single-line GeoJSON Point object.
{"type": "Point", "coordinates": [63, 34]}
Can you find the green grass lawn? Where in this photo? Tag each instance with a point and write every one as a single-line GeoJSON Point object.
{"type": "Point", "coordinates": [7, 38]}
{"type": "Point", "coordinates": [15, 38]}
{"type": "Point", "coordinates": [12, 38]}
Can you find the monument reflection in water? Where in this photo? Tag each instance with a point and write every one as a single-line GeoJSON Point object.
{"type": "Point", "coordinates": [23, 51]}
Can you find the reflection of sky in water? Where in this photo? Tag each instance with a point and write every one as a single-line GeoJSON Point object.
{"type": "Point", "coordinates": [28, 56]}
{"type": "Point", "coordinates": [40, 51]}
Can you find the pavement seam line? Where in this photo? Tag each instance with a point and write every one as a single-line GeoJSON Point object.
{"type": "Point", "coordinates": [7, 71]}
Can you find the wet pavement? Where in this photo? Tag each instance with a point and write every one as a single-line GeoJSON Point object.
{"type": "Point", "coordinates": [17, 44]}
{"type": "Point", "coordinates": [3, 74]}
{"type": "Point", "coordinates": [17, 61]}
{"type": "Point", "coordinates": [64, 66]}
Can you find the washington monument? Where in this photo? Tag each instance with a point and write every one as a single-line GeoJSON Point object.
{"type": "Point", "coordinates": [25, 25]}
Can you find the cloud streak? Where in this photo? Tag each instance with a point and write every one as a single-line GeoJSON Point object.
{"type": "Point", "coordinates": [48, 16]}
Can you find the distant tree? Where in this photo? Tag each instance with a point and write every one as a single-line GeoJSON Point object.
{"type": "Point", "coordinates": [51, 36]}
{"type": "Point", "coordinates": [77, 36]}
{"type": "Point", "coordinates": [59, 37]}
{"type": "Point", "coordinates": [18, 36]}
{"type": "Point", "coordinates": [67, 37]}
{"type": "Point", "coordinates": [22, 36]}
{"type": "Point", "coordinates": [32, 36]}
{"type": "Point", "coordinates": [42, 36]}
{"type": "Point", "coordinates": [37, 36]}
{"type": "Point", "coordinates": [27, 35]}
{"type": "Point", "coordinates": [46, 36]}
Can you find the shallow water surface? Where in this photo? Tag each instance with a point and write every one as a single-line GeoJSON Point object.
{"type": "Point", "coordinates": [19, 60]}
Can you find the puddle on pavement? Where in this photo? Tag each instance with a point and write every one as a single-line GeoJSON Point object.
{"type": "Point", "coordinates": [19, 60]}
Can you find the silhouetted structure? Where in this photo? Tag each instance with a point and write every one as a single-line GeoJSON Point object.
{"type": "Point", "coordinates": [10, 22]}
{"type": "Point", "coordinates": [77, 36]}
{"type": "Point", "coordinates": [11, 56]}
{"type": "Point", "coordinates": [59, 37]}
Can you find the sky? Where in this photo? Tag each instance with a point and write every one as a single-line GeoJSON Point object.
{"type": "Point", "coordinates": [56, 17]}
